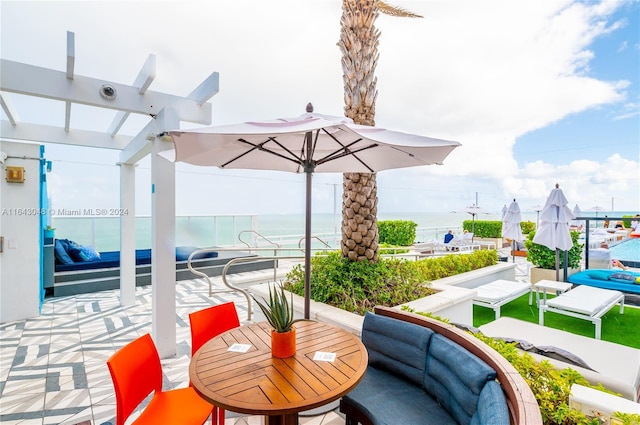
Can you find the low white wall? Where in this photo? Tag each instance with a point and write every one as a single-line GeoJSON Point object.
{"type": "Point", "coordinates": [475, 278]}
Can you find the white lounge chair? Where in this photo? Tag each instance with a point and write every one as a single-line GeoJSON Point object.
{"type": "Point", "coordinates": [584, 302]}
{"type": "Point", "coordinates": [498, 293]}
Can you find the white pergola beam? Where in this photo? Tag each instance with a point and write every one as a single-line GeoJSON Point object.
{"type": "Point", "coordinates": [42, 82]}
{"type": "Point", "coordinates": [207, 89]}
{"type": "Point", "coordinates": [140, 146]}
{"type": "Point", "coordinates": [9, 110]}
{"type": "Point", "coordinates": [144, 79]}
{"type": "Point", "coordinates": [50, 134]}
{"type": "Point", "coordinates": [71, 54]}
{"type": "Point", "coordinates": [146, 75]}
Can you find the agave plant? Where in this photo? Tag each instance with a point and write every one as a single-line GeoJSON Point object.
{"type": "Point", "coordinates": [278, 309]}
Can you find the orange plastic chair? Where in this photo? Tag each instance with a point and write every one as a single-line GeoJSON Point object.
{"type": "Point", "coordinates": [136, 372]}
{"type": "Point", "coordinates": [206, 324]}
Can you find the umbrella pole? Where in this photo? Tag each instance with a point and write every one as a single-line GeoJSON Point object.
{"type": "Point", "coordinates": [307, 249]}
{"type": "Point", "coordinates": [557, 265]}
{"type": "Point", "coordinates": [566, 264]}
{"type": "Point", "coordinates": [308, 170]}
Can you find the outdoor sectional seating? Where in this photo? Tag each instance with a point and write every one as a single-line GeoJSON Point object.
{"type": "Point", "coordinates": [85, 271]}
{"type": "Point", "coordinates": [422, 371]}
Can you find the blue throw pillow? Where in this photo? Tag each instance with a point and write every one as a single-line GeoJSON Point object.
{"type": "Point", "coordinates": [88, 253]}
{"type": "Point", "coordinates": [60, 251]}
{"type": "Point", "coordinates": [599, 274]}
{"type": "Point", "coordinates": [622, 277]}
{"type": "Point", "coordinates": [73, 249]}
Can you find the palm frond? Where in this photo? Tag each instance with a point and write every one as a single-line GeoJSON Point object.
{"type": "Point", "coordinates": [391, 10]}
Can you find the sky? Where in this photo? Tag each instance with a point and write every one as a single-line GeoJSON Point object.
{"type": "Point", "coordinates": [537, 93]}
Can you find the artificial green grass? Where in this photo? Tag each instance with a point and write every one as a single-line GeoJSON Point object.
{"type": "Point", "coordinates": [619, 328]}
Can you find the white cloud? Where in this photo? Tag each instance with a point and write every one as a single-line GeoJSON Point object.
{"type": "Point", "coordinates": [483, 73]}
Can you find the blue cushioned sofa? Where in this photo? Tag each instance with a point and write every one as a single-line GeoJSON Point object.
{"type": "Point", "coordinates": [606, 279]}
{"type": "Point", "coordinates": [418, 374]}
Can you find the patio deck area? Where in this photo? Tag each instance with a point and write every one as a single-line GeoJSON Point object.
{"type": "Point", "coordinates": [54, 366]}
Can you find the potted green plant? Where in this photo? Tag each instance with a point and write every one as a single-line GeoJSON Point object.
{"type": "Point", "coordinates": [544, 259]}
{"type": "Point", "coordinates": [278, 311]}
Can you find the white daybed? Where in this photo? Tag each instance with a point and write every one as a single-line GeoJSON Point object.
{"type": "Point", "coordinates": [615, 366]}
{"type": "Point", "coordinates": [499, 292]}
{"type": "Point", "coordinates": [584, 302]}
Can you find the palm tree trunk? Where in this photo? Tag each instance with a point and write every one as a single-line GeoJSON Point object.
{"type": "Point", "coordinates": [359, 217]}
{"type": "Point", "coordinates": [359, 46]}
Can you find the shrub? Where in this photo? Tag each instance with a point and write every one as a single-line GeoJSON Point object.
{"type": "Point", "coordinates": [483, 228]}
{"type": "Point", "coordinates": [545, 258]}
{"type": "Point", "coordinates": [397, 232]}
{"type": "Point", "coordinates": [527, 227]}
{"type": "Point", "coordinates": [358, 286]}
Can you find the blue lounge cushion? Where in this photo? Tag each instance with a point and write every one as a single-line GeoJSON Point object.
{"type": "Point", "coordinates": [183, 252]}
{"type": "Point", "coordinates": [492, 407]}
{"type": "Point", "coordinates": [60, 252]}
{"type": "Point", "coordinates": [396, 346]}
{"type": "Point", "coordinates": [455, 377]}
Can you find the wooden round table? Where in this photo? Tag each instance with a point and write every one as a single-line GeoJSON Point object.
{"type": "Point", "coordinates": [256, 383]}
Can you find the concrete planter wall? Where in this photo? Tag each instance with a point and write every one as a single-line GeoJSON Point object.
{"type": "Point", "coordinates": [537, 274]}
{"type": "Point", "coordinates": [453, 299]}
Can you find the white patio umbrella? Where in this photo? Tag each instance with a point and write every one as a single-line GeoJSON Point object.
{"type": "Point", "coordinates": [474, 210]}
{"type": "Point", "coordinates": [597, 209]}
{"type": "Point", "coordinates": [511, 225]}
{"type": "Point", "coordinates": [504, 211]}
{"type": "Point", "coordinates": [306, 144]}
{"type": "Point", "coordinates": [576, 213]}
{"type": "Point", "coordinates": [554, 227]}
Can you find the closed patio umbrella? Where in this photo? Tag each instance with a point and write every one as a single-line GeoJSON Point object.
{"type": "Point", "coordinates": [310, 143]}
{"type": "Point", "coordinates": [473, 210]}
{"type": "Point", "coordinates": [554, 227]}
{"type": "Point", "coordinates": [576, 213]}
{"type": "Point", "coordinates": [511, 225]}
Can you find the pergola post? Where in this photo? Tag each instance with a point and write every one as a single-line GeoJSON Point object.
{"type": "Point", "coordinates": [163, 240]}
{"type": "Point", "coordinates": [127, 234]}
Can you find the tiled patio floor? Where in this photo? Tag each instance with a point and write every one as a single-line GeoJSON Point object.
{"type": "Point", "coordinates": [53, 367]}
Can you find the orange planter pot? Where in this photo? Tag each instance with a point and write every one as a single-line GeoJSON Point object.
{"type": "Point", "coordinates": [283, 345]}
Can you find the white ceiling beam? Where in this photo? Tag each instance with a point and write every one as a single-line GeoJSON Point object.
{"type": "Point", "coordinates": [144, 79]}
{"type": "Point", "coordinates": [207, 89]}
{"type": "Point", "coordinates": [41, 82]}
{"type": "Point", "coordinates": [71, 54]}
{"type": "Point", "coordinates": [8, 109]}
{"type": "Point", "coordinates": [50, 134]}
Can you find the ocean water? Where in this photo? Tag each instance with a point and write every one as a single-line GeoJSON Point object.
{"type": "Point", "coordinates": [103, 233]}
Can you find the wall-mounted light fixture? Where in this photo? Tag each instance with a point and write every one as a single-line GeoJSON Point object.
{"type": "Point", "coordinates": [15, 174]}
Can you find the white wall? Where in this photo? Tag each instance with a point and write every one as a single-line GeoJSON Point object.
{"type": "Point", "coordinates": [20, 226]}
